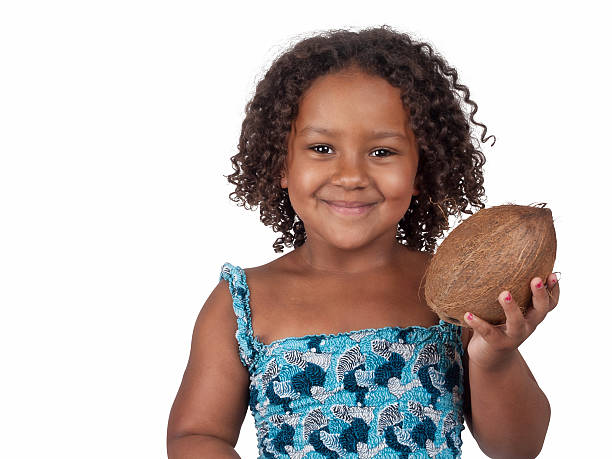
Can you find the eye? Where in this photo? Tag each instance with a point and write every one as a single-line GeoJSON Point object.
{"type": "Point", "coordinates": [321, 149]}
{"type": "Point", "coordinates": [389, 153]}
{"type": "Point", "coordinates": [319, 146]}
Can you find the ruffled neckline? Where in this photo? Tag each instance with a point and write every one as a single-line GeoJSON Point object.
{"type": "Point", "coordinates": [411, 328]}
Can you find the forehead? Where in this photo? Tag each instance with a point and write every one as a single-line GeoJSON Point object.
{"type": "Point", "coordinates": [352, 98]}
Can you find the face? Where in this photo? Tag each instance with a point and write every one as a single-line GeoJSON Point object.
{"type": "Point", "coordinates": [351, 141]}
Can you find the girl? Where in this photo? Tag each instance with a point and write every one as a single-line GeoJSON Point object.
{"type": "Point", "coordinates": [357, 148]}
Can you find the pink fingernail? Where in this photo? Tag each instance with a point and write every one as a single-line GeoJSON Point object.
{"type": "Point", "coordinates": [470, 316]}
{"type": "Point", "coordinates": [539, 284]}
{"type": "Point", "coordinates": [508, 298]}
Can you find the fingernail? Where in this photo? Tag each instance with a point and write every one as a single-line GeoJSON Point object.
{"type": "Point", "coordinates": [470, 316]}
{"type": "Point", "coordinates": [508, 298]}
{"type": "Point", "coordinates": [539, 284]}
{"type": "Point", "coordinates": [554, 279]}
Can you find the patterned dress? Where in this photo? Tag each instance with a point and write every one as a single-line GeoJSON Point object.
{"type": "Point", "coordinates": [389, 392]}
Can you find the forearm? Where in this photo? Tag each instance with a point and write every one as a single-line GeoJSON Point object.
{"type": "Point", "coordinates": [199, 446]}
{"type": "Point", "coordinates": [510, 413]}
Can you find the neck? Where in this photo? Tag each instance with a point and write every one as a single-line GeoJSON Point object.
{"type": "Point", "coordinates": [321, 257]}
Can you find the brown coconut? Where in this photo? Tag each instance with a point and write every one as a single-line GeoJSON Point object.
{"type": "Point", "coordinates": [496, 249]}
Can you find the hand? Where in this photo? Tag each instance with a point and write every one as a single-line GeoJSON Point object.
{"type": "Point", "coordinates": [491, 346]}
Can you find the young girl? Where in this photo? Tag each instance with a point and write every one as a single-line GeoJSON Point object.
{"type": "Point", "coordinates": [356, 147]}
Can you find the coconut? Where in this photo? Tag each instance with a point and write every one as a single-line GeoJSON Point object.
{"type": "Point", "coordinates": [496, 249]}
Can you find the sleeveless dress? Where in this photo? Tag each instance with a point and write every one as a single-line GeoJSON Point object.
{"type": "Point", "coordinates": [390, 392]}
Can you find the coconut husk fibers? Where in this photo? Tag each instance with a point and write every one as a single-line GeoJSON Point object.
{"type": "Point", "coordinates": [496, 249]}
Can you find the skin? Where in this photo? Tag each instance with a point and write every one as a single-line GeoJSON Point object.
{"type": "Point", "coordinates": [350, 274]}
{"type": "Point", "coordinates": [353, 104]}
{"type": "Point", "coordinates": [363, 277]}
{"type": "Point", "coordinates": [509, 412]}
{"type": "Point", "coordinates": [350, 164]}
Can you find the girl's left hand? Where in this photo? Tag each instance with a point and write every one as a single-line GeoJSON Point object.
{"type": "Point", "coordinates": [492, 346]}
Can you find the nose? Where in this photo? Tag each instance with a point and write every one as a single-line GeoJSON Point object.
{"type": "Point", "coordinates": [350, 171]}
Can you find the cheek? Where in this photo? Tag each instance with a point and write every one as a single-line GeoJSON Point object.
{"type": "Point", "coordinates": [397, 186]}
{"type": "Point", "coordinates": [306, 179]}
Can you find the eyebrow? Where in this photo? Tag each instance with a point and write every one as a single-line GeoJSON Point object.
{"type": "Point", "coordinates": [374, 134]}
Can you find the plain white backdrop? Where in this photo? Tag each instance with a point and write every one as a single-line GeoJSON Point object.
{"type": "Point", "coordinates": [117, 122]}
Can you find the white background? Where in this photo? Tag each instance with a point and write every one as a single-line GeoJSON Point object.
{"type": "Point", "coordinates": [117, 122]}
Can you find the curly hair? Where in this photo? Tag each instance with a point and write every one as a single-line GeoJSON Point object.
{"type": "Point", "coordinates": [449, 173]}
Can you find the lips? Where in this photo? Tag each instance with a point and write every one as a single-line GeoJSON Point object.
{"type": "Point", "coordinates": [348, 208]}
{"type": "Point", "coordinates": [349, 204]}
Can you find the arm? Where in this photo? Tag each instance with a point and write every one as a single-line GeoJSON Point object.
{"type": "Point", "coordinates": [507, 411]}
{"type": "Point", "coordinates": [212, 400]}
{"type": "Point", "coordinates": [197, 446]}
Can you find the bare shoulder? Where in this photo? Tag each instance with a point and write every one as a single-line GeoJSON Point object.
{"type": "Point", "coordinates": [422, 258]}
{"type": "Point", "coordinates": [415, 261]}
{"type": "Point", "coordinates": [415, 265]}
{"type": "Point", "coordinates": [267, 295]}
{"type": "Point", "coordinates": [217, 318]}
{"type": "Point", "coordinates": [262, 280]}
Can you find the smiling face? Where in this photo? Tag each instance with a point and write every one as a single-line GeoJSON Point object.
{"type": "Point", "coordinates": [351, 141]}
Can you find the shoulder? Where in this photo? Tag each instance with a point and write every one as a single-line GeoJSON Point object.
{"type": "Point", "coordinates": [261, 278]}
{"type": "Point", "coordinates": [268, 275]}
{"type": "Point", "coordinates": [410, 281]}
{"type": "Point", "coordinates": [423, 258]}
{"type": "Point", "coordinates": [415, 260]}
{"type": "Point", "coordinates": [413, 265]}
{"type": "Point", "coordinates": [267, 285]}
{"type": "Point", "coordinates": [217, 315]}
{"type": "Point", "coordinates": [214, 376]}
{"type": "Point", "coordinates": [265, 280]}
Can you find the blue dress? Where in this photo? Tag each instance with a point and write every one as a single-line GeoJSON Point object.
{"type": "Point", "coordinates": [389, 392]}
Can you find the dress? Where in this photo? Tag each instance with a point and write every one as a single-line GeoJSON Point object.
{"type": "Point", "coordinates": [390, 392]}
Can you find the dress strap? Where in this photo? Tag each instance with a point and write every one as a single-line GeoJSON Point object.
{"type": "Point", "coordinates": [240, 295]}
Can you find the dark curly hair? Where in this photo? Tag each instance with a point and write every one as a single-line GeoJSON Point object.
{"type": "Point", "coordinates": [449, 173]}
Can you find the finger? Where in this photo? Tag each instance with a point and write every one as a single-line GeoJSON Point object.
{"type": "Point", "coordinates": [515, 322]}
{"type": "Point", "coordinates": [488, 331]}
{"type": "Point", "coordinates": [540, 300]}
{"type": "Point", "coordinates": [552, 283]}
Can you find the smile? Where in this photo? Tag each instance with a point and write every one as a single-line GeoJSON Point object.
{"type": "Point", "coordinates": [350, 210]}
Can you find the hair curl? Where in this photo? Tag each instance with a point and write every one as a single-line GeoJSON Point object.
{"type": "Point", "coordinates": [449, 173]}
